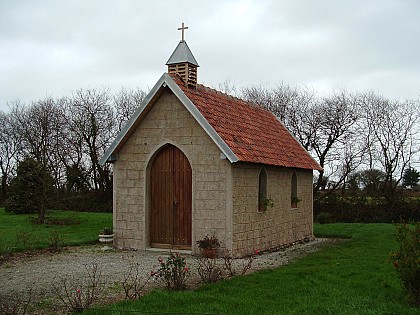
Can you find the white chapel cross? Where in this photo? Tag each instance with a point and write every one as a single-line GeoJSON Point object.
{"type": "Point", "coordinates": [182, 28]}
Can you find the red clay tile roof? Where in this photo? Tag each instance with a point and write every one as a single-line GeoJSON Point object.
{"type": "Point", "coordinates": [253, 134]}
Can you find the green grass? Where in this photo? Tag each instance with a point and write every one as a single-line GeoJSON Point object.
{"type": "Point", "coordinates": [17, 233]}
{"type": "Point", "coordinates": [354, 277]}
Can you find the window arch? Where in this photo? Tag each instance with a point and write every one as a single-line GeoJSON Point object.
{"type": "Point", "coordinates": [262, 190]}
{"type": "Point", "coordinates": [294, 199]}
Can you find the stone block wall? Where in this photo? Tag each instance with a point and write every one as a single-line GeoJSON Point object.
{"type": "Point", "coordinates": [168, 121]}
{"type": "Point", "coordinates": [278, 225]}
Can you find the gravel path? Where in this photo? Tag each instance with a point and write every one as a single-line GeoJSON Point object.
{"type": "Point", "coordinates": [45, 270]}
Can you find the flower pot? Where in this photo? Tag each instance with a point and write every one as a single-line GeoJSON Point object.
{"type": "Point", "coordinates": [106, 238]}
{"type": "Point", "coordinates": [210, 252]}
{"type": "Point", "coordinates": [261, 208]}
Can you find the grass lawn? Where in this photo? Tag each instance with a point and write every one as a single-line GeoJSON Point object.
{"type": "Point", "coordinates": [17, 233]}
{"type": "Point", "coordinates": [354, 277]}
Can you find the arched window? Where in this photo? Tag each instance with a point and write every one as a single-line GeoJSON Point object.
{"type": "Point", "coordinates": [262, 190]}
{"type": "Point", "coordinates": [294, 199]}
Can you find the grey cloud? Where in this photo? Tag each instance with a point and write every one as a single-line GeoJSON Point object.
{"type": "Point", "coordinates": [57, 47]}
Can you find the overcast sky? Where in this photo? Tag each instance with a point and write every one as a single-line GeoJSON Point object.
{"type": "Point", "coordinates": [53, 48]}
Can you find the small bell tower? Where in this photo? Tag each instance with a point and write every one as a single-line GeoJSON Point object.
{"type": "Point", "coordinates": [183, 63]}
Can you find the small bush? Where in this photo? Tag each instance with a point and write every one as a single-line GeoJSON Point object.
{"type": "Point", "coordinates": [173, 272]}
{"type": "Point", "coordinates": [25, 239]}
{"type": "Point", "coordinates": [132, 284]}
{"type": "Point", "coordinates": [78, 295]}
{"type": "Point", "coordinates": [406, 260]}
{"type": "Point", "coordinates": [208, 269]}
{"type": "Point", "coordinates": [5, 253]}
{"type": "Point", "coordinates": [17, 304]}
{"type": "Point", "coordinates": [323, 218]}
{"type": "Point", "coordinates": [213, 269]}
{"type": "Point", "coordinates": [55, 241]}
{"type": "Point", "coordinates": [233, 270]}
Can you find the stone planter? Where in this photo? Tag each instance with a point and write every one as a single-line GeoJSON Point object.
{"type": "Point", "coordinates": [106, 238]}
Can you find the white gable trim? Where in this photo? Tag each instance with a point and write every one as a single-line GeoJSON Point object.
{"type": "Point", "coordinates": [166, 81]}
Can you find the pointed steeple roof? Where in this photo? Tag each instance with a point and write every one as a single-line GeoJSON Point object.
{"type": "Point", "coordinates": [182, 54]}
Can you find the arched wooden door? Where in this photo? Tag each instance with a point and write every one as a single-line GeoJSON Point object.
{"type": "Point", "coordinates": [170, 200]}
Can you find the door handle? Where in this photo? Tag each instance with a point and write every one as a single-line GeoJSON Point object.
{"type": "Point", "coordinates": [175, 205]}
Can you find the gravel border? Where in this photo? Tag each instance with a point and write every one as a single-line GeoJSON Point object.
{"type": "Point", "coordinates": [43, 270]}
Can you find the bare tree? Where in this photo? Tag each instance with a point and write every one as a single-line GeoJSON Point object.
{"type": "Point", "coordinates": [391, 137]}
{"type": "Point", "coordinates": [228, 88]}
{"type": "Point", "coordinates": [38, 127]}
{"type": "Point", "coordinates": [281, 100]}
{"type": "Point", "coordinates": [325, 127]}
{"type": "Point", "coordinates": [334, 136]}
{"type": "Point", "coordinates": [125, 103]}
{"type": "Point", "coordinates": [92, 120]}
{"type": "Point", "coordinates": [9, 149]}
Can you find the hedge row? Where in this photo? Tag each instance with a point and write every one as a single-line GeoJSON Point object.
{"type": "Point", "coordinates": [366, 210]}
{"type": "Point", "coordinates": [90, 201]}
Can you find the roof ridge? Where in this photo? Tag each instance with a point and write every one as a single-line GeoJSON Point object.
{"type": "Point", "coordinates": [252, 104]}
{"type": "Point", "coordinates": [245, 132]}
{"type": "Point", "coordinates": [249, 103]}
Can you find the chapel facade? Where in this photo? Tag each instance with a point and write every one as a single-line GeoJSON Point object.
{"type": "Point", "coordinates": [193, 161]}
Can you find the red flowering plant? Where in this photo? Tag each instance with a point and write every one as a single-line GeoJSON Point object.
{"type": "Point", "coordinates": [406, 259]}
{"type": "Point", "coordinates": [78, 301]}
{"type": "Point", "coordinates": [173, 272]}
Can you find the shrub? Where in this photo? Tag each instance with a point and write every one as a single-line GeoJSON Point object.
{"type": "Point", "coordinates": [213, 269]}
{"type": "Point", "coordinates": [208, 269]}
{"type": "Point", "coordinates": [233, 270]}
{"type": "Point", "coordinates": [323, 218]}
{"type": "Point", "coordinates": [133, 284]}
{"type": "Point", "coordinates": [25, 240]}
{"type": "Point", "coordinates": [79, 295]}
{"type": "Point", "coordinates": [55, 241]}
{"type": "Point", "coordinates": [173, 272]}
{"type": "Point", "coordinates": [5, 253]}
{"type": "Point", "coordinates": [30, 189]}
{"type": "Point", "coordinates": [406, 260]}
{"type": "Point", "coordinates": [17, 303]}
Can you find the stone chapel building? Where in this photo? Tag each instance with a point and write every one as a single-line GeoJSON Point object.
{"type": "Point", "coordinates": [193, 161]}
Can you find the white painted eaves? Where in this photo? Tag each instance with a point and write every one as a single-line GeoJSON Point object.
{"type": "Point", "coordinates": [111, 154]}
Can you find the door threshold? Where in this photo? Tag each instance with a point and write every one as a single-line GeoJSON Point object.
{"type": "Point", "coordinates": [169, 250]}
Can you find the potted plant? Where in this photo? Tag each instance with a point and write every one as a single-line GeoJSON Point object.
{"type": "Point", "coordinates": [294, 201]}
{"type": "Point", "coordinates": [267, 202]}
{"type": "Point", "coordinates": [209, 245]}
{"type": "Point", "coordinates": [106, 235]}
